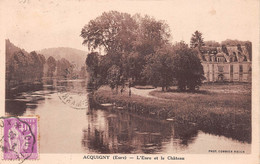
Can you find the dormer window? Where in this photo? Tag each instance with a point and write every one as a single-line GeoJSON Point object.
{"type": "Point", "coordinates": [220, 59]}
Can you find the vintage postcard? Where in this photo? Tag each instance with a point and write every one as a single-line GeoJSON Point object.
{"type": "Point", "coordinates": [147, 81]}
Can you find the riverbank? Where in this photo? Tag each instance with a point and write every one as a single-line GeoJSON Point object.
{"type": "Point", "coordinates": [219, 109]}
{"type": "Point", "coordinates": [11, 92]}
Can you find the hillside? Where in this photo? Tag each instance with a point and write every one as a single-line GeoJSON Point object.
{"type": "Point", "coordinates": [74, 56]}
{"type": "Point", "coordinates": [22, 68]}
{"type": "Point", "coordinates": [11, 49]}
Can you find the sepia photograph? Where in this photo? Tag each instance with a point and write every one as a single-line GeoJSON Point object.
{"type": "Point", "coordinates": [129, 80]}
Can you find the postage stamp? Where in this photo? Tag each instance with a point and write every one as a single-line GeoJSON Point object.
{"type": "Point", "coordinates": [20, 138]}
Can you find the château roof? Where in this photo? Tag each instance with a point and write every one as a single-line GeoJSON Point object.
{"type": "Point", "coordinates": [230, 53]}
{"type": "Point", "coordinates": [220, 54]}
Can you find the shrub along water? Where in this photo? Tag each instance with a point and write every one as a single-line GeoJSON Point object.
{"type": "Point", "coordinates": [220, 113]}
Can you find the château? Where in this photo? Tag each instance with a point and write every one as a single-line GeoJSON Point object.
{"type": "Point", "coordinates": [226, 63]}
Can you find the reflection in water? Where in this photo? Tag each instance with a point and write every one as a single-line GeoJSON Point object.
{"type": "Point", "coordinates": [115, 131]}
{"type": "Point", "coordinates": [14, 107]}
{"type": "Point", "coordinates": [67, 130]}
{"type": "Point", "coordinates": [186, 133]}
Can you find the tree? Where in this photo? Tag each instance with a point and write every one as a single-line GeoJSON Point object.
{"type": "Point", "coordinates": [212, 43]}
{"type": "Point", "coordinates": [35, 65]}
{"type": "Point", "coordinates": [235, 42]}
{"type": "Point", "coordinates": [132, 65]}
{"type": "Point", "coordinates": [114, 77]}
{"type": "Point", "coordinates": [83, 72]}
{"type": "Point", "coordinates": [51, 62]}
{"type": "Point", "coordinates": [126, 40]}
{"type": "Point", "coordinates": [22, 67]}
{"type": "Point", "coordinates": [112, 31]}
{"type": "Point", "coordinates": [188, 70]}
{"type": "Point", "coordinates": [196, 40]}
{"type": "Point", "coordinates": [159, 68]}
{"type": "Point", "coordinates": [42, 61]}
{"type": "Point", "coordinates": [92, 63]}
{"type": "Point", "coordinates": [64, 68]}
{"type": "Point", "coordinates": [151, 35]}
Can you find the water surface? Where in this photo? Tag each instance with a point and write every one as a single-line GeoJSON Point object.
{"type": "Point", "coordinates": [64, 129]}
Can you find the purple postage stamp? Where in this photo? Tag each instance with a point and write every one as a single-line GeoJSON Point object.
{"type": "Point", "coordinates": [20, 138]}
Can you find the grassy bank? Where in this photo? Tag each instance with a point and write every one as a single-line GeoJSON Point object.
{"type": "Point", "coordinates": [219, 109]}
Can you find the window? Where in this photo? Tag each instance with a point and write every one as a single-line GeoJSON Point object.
{"type": "Point", "coordinates": [220, 68]}
{"type": "Point", "coordinates": [231, 68]}
{"type": "Point", "coordinates": [249, 69]}
{"type": "Point", "coordinates": [240, 68]}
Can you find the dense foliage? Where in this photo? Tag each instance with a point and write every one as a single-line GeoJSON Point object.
{"type": "Point", "coordinates": [159, 69]}
{"type": "Point", "coordinates": [51, 63]}
{"type": "Point", "coordinates": [22, 67]}
{"type": "Point", "coordinates": [197, 41]}
{"type": "Point", "coordinates": [137, 49]}
{"type": "Point", "coordinates": [187, 67]}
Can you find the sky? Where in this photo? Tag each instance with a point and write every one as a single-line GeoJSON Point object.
{"type": "Point", "coordinates": [38, 24]}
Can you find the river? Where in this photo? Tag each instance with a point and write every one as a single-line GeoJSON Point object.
{"type": "Point", "coordinates": [68, 128]}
